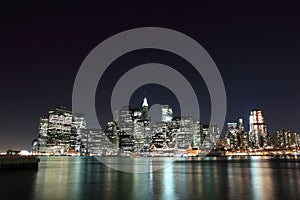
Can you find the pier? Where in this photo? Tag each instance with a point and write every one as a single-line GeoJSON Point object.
{"type": "Point", "coordinates": [9, 162]}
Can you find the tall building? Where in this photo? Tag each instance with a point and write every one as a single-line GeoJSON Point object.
{"type": "Point", "coordinates": [183, 132]}
{"type": "Point", "coordinates": [167, 113]}
{"type": "Point", "coordinates": [241, 124]}
{"type": "Point", "coordinates": [111, 132]}
{"type": "Point", "coordinates": [40, 144]}
{"type": "Point", "coordinates": [142, 134]}
{"type": "Point", "coordinates": [60, 132]}
{"type": "Point", "coordinates": [79, 124]}
{"type": "Point", "coordinates": [236, 136]}
{"type": "Point", "coordinates": [95, 142]}
{"type": "Point", "coordinates": [233, 135]}
{"type": "Point", "coordinates": [125, 120]}
{"type": "Point", "coordinates": [145, 112]}
{"type": "Point", "coordinates": [211, 135]}
{"type": "Point", "coordinates": [61, 136]}
{"type": "Point", "coordinates": [134, 127]}
{"type": "Point", "coordinates": [160, 135]}
{"type": "Point", "coordinates": [198, 137]}
{"type": "Point", "coordinates": [174, 129]}
{"type": "Point", "coordinates": [258, 134]}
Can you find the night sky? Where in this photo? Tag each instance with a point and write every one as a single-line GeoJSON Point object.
{"type": "Point", "coordinates": [255, 46]}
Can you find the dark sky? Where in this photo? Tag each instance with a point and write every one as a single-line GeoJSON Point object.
{"type": "Point", "coordinates": [255, 46]}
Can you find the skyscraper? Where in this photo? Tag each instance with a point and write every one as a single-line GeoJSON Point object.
{"type": "Point", "coordinates": [95, 142]}
{"type": "Point", "coordinates": [167, 113]}
{"type": "Point", "coordinates": [145, 119]}
{"type": "Point", "coordinates": [145, 112]}
{"type": "Point", "coordinates": [60, 132]}
{"type": "Point", "coordinates": [236, 136]}
{"type": "Point", "coordinates": [79, 124]}
{"type": "Point", "coordinates": [233, 135]}
{"type": "Point", "coordinates": [125, 120]}
{"type": "Point", "coordinates": [43, 135]}
{"type": "Point", "coordinates": [184, 134]}
{"type": "Point", "coordinates": [258, 129]}
{"type": "Point", "coordinates": [60, 129]}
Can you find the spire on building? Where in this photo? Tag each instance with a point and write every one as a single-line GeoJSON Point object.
{"type": "Point", "coordinates": [145, 103]}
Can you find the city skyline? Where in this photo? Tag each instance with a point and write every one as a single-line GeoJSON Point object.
{"type": "Point", "coordinates": [150, 100]}
{"type": "Point", "coordinates": [165, 112]}
{"type": "Point", "coordinates": [255, 48]}
{"type": "Point", "coordinates": [132, 131]}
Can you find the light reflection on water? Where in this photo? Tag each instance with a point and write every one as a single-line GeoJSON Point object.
{"type": "Point", "coordinates": [86, 178]}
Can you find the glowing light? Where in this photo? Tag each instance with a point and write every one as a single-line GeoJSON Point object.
{"type": "Point", "coordinates": [25, 153]}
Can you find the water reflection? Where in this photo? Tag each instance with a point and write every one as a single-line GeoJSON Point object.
{"type": "Point", "coordinates": [86, 178]}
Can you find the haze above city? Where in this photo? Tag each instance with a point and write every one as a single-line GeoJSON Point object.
{"type": "Point", "coordinates": [256, 48]}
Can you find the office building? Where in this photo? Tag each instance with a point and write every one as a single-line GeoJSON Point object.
{"type": "Point", "coordinates": [258, 129]}
{"type": "Point", "coordinates": [167, 113]}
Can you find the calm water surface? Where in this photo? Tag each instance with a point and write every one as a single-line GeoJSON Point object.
{"type": "Point", "coordinates": [85, 178]}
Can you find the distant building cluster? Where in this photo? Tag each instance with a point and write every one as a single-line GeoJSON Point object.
{"type": "Point", "coordinates": [131, 131]}
{"type": "Point", "coordinates": [258, 138]}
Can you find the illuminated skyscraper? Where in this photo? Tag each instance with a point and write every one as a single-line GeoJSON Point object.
{"type": "Point", "coordinates": [233, 135]}
{"type": "Point", "coordinates": [211, 135]}
{"type": "Point", "coordinates": [145, 119]}
{"type": "Point", "coordinates": [79, 124]}
{"type": "Point", "coordinates": [160, 134]}
{"type": "Point", "coordinates": [236, 136]}
{"type": "Point", "coordinates": [60, 132]}
{"type": "Point", "coordinates": [95, 142]}
{"type": "Point", "coordinates": [182, 132]}
{"type": "Point", "coordinates": [43, 136]}
{"type": "Point", "coordinates": [258, 130]}
{"type": "Point", "coordinates": [145, 112]}
{"type": "Point", "coordinates": [61, 135]}
{"type": "Point", "coordinates": [167, 113]}
{"type": "Point", "coordinates": [125, 121]}
{"type": "Point", "coordinates": [241, 124]}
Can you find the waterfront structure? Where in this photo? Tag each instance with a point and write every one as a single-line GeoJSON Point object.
{"type": "Point", "coordinates": [258, 129]}
{"type": "Point", "coordinates": [17, 162]}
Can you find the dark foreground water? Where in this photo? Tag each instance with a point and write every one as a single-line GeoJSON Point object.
{"type": "Point", "coordinates": [85, 178]}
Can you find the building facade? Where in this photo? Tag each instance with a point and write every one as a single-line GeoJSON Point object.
{"type": "Point", "coordinates": [258, 134]}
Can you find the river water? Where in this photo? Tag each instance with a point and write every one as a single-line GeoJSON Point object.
{"type": "Point", "coordinates": [211, 178]}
